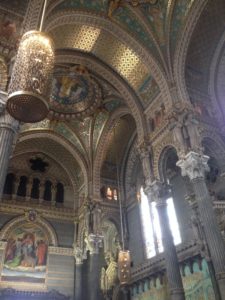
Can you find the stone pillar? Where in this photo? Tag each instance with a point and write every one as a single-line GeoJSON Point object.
{"type": "Point", "coordinates": [53, 200]}
{"type": "Point", "coordinates": [41, 191]}
{"type": "Point", "coordinates": [194, 165]}
{"type": "Point", "coordinates": [8, 130]}
{"type": "Point", "coordinates": [15, 187]}
{"type": "Point", "coordinates": [160, 192]}
{"type": "Point", "coordinates": [78, 254]}
{"type": "Point", "coordinates": [126, 293]}
{"type": "Point", "coordinates": [93, 243]}
{"type": "Point", "coordinates": [29, 189]}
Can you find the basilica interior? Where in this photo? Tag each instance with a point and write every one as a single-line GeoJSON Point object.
{"type": "Point", "coordinates": [118, 192]}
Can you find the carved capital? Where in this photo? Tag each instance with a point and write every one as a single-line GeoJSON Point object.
{"type": "Point", "coordinates": [158, 192]}
{"type": "Point", "coordinates": [78, 255]}
{"type": "Point", "coordinates": [194, 165]}
{"type": "Point", "coordinates": [93, 243]}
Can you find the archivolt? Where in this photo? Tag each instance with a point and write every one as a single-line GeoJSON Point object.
{"type": "Point", "coordinates": [41, 222]}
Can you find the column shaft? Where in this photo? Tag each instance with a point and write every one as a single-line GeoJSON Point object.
{"type": "Point", "coordinates": [7, 135]}
{"type": "Point", "coordinates": [78, 282]}
{"type": "Point", "coordinates": [172, 264]}
{"type": "Point", "coordinates": [194, 165]}
{"type": "Point", "coordinates": [212, 232]}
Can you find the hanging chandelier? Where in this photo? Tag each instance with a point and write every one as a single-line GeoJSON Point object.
{"type": "Point", "coordinates": [124, 258]}
{"type": "Point", "coordinates": [31, 80]}
{"type": "Point", "coordinates": [124, 262]}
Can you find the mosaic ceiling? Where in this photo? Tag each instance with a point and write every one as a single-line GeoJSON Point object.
{"type": "Point", "coordinates": [155, 25]}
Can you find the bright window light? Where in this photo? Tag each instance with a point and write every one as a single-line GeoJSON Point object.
{"type": "Point", "coordinates": [151, 225]}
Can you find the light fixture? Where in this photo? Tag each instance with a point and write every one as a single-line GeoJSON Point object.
{"type": "Point", "coordinates": [30, 84]}
{"type": "Point", "coordinates": [124, 258]}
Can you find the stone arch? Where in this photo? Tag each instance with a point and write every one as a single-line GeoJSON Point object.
{"type": "Point", "coordinates": [165, 141]}
{"type": "Point", "coordinates": [182, 47]}
{"type": "Point", "coordinates": [67, 17]}
{"type": "Point", "coordinates": [163, 160]}
{"type": "Point", "coordinates": [38, 134]}
{"type": "Point", "coordinates": [40, 221]}
{"type": "Point", "coordinates": [101, 149]}
{"type": "Point", "coordinates": [215, 140]}
{"type": "Point", "coordinates": [217, 72]}
{"type": "Point", "coordinates": [133, 162]}
{"type": "Point", "coordinates": [106, 72]}
{"type": "Point", "coordinates": [112, 217]}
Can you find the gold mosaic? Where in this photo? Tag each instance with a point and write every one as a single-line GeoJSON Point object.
{"type": "Point", "coordinates": [105, 46]}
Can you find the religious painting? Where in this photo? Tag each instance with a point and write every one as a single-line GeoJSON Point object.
{"type": "Point", "coordinates": [69, 88]}
{"type": "Point", "coordinates": [25, 257]}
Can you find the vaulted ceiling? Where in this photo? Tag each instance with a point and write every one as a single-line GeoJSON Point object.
{"type": "Point", "coordinates": [108, 52]}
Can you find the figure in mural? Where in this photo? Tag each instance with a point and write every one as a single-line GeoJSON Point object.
{"type": "Point", "coordinates": [41, 252]}
{"type": "Point", "coordinates": [25, 255]}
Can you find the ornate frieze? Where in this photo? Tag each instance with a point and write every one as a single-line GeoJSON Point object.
{"type": "Point", "coordinates": [61, 251]}
{"type": "Point", "coordinates": [61, 214]}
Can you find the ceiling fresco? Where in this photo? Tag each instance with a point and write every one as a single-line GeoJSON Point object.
{"type": "Point", "coordinates": [75, 93]}
{"type": "Point", "coordinates": [82, 102]}
{"type": "Point", "coordinates": [154, 24]}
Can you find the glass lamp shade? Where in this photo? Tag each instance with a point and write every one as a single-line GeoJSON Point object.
{"type": "Point", "coordinates": [31, 80]}
{"type": "Point", "coordinates": [124, 263]}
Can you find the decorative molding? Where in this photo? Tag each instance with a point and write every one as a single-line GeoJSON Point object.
{"type": "Point", "coordinates": [60, 251]}
{"type": "Point", "coordinates": [17, 221]}
{"type": "Point", "coordinates": [49, 212]}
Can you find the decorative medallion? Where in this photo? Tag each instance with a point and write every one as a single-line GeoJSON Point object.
{"type": "Point", "coordinates": [31, 215]}
{"type": "Point", "coordinates": [75, 93]}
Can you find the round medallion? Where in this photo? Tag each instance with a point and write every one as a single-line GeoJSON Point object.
{"type": "Point", "coordinates": [74, 94]}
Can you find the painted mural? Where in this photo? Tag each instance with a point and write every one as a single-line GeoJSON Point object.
{"type": "Point", "coordinates": [25, 257]}
{"type": "Point", "coordinates": [197, 285]}
{"type": "Point", "coordinates": [156, 291]}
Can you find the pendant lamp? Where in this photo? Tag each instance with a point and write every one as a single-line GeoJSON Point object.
{"type": "Point", "coordinates": [124, 258]}
{"type": "Point", "coordinates": [31, 80]}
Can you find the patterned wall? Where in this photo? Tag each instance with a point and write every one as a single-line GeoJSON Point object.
{"type": "Point", "coordinates": [197, 285]}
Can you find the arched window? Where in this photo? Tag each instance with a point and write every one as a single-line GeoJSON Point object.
{"type": "Point", "coordinates": [151, 225]}
{"type": "Point", "coordinates": [8, 187]}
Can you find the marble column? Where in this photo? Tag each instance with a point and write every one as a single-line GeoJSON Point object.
{"type": "Point", "coordinates": [160, 192]}
{"type": "Point", "coordinates": [8, 130]}
{"type": "Point", "coordinates": [194, 165]}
